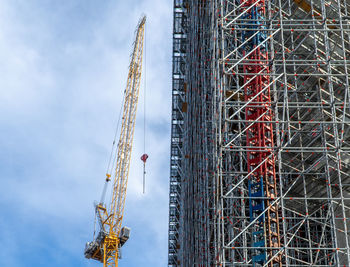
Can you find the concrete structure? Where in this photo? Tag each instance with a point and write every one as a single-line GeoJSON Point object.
{"type": "Point", "coordinates": [260, 146]}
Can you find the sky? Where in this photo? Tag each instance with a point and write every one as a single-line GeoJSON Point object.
{"type": "Point", "coordinates": [63, 69]}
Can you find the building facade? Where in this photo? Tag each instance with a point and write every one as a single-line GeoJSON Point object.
{"type": "Point", "coordinates": [260, 142]}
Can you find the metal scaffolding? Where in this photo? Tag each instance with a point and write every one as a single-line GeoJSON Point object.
{"type": "Point", "coordinates": [260, 144]}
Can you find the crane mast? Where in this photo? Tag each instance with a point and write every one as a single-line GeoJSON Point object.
{"type": "Point", "coordinates": [111, 237]}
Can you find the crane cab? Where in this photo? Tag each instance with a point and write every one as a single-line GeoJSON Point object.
{"type": "Point", "coordinates": [124, 235]}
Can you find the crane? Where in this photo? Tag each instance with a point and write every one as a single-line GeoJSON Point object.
{"type": "Point", "coordinates": [112, 236]}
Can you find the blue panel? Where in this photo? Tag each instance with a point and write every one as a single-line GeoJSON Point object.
{"type": "Point", "coordinates": [256, 208]}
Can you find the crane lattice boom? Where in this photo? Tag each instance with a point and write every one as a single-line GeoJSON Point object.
{"type": "Point", "coordinates": [112, 236]}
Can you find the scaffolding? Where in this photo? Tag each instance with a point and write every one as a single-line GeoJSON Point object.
{"type": "Point", "coordinates": [260, 142]}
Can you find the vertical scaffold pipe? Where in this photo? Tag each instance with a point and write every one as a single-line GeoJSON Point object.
{"type": "Point", "coordinates": [262, 186]}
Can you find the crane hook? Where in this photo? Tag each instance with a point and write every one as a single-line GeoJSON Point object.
{"type": "Point", "coordinates": [144, 158]}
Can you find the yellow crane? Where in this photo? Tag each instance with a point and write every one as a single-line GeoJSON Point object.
{"type": "Point", "coordinates": [111, 237]}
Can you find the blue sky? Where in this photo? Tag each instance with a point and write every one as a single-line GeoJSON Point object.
{"type": "Point", "coordinates": [63, 69]}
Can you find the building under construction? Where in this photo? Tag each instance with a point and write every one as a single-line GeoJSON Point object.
{"type": "Point", "coordinates": [260, 141]}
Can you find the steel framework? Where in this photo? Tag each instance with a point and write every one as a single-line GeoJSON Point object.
{"type": "Point", "coordinates": [260, 145]}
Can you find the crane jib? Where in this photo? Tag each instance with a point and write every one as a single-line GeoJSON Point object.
{"type": "Point", "coordinates": [111, 237]}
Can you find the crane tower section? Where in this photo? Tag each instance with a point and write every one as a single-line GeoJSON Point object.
{"type": "Point", "coordinates": [260, 147]}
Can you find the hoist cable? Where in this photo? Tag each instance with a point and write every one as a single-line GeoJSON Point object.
{"type": "Point", "coordinates": [144, 110]}
{"type": "Point", "coordinates": [113, 152]}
